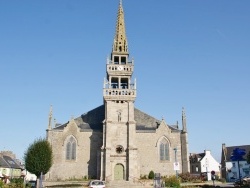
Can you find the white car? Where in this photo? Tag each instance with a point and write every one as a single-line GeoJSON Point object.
{"type": "Point", "coordinates": [96, 184]}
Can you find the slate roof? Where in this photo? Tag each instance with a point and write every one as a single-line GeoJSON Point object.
{"type": "Point", "coordinates": [229, 150]}
{"type": "Point", "coordinates": [197, 156]}
{"type": "Point", "coordinates": [93, 119]}
{"type": "Point", "coordinates": [8, 162]}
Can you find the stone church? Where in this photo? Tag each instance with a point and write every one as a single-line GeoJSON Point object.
{"type": "Point", "coordinates": [116, 141]}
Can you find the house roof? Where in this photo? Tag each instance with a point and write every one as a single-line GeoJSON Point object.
{"type": "Point", "coordinates": [93, 120]}
{"type": "Point", "coordinates": [229, 150]}
{"type": "Point", "coordinates": [8, 162]}
{"type": "Point", "coordinates": [197, 156]}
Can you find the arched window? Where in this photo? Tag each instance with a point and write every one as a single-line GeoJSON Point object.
{"type": "Point", "coordinates": [71, 149]}
{"type": "Point", "coordinates": [164, 150]}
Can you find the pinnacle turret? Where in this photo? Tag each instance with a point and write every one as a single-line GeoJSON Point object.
{"type": "Point", "coordinates": [184, 126]}
{"type": "Point", "coordinates": [50, 117]}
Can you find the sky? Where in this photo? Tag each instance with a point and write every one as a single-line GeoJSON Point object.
{"type": "Point", "coordinates": [192, 54]}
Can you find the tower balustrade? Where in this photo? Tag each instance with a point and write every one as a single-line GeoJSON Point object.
{"type": "Point", "coordinates": [129, 68]}
{"type": "Point", "coordinates": [119, 92]}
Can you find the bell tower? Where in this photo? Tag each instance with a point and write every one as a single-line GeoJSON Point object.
{"type": "Point", "coordinates": [119, 159]}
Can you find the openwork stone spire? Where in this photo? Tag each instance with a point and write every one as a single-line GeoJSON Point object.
{"type": "Point", "coordinates": [120, 41]}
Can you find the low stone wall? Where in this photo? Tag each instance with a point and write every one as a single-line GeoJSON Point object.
{"type": "Point", "coordinates": [52, 183]}
{"type": "Point", "coordinates": [142, 183]}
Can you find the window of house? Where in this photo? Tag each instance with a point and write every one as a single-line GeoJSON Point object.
{"type": "Point", "coordinates": [164, 150]}
{"type": "Point", "coordinates": [234, 174]}
{"type": "Point", "coordinates": [4, 171]}
{"type": "Point", "coordinates": [71, 149]}
{"type": "Point", "coordinates": [233, 165]}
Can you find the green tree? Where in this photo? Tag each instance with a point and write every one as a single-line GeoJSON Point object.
{"type": "Point", "coordinates": [248, 157]}
{"type": "Point", "coordinates": [38, 157]}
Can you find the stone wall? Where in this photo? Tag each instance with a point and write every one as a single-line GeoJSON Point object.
{"type": "Point", "coordinates": [87, 146]}
{"type": "Point", "coordinates": [148, 149]}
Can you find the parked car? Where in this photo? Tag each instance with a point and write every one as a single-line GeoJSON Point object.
{"type": "Point", "coordinates": [96, 184]}
{"type": "Point", "coordinates": [243, 181]}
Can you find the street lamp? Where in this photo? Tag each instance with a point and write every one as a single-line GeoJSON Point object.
{"type": "Point", "coordinates": [175, 155]}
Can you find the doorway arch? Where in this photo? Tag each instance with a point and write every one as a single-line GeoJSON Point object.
{"type": "Point", "coordinates": [119, 172]}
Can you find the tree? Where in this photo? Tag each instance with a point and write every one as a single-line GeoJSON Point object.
{"type": "Point", "coordinates": [248, 157]}
{"type": "Point", "coordinates": [38, 157]}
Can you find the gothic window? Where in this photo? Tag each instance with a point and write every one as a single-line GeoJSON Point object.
{"type": "Point", "coordinates": [164, 150]}
{"type": "Point", "coordinates": [71, 149]}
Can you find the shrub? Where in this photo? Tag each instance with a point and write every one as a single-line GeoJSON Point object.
{"type": "Point", "coordinates": [187, 177]}
{"type": "Point", "coordinates": [223, 180]}
{"type": "Point", "coordinates": [1, 183]}
{"type": "Point", "coordinates": [151, 175]}
{"type": "Point", "coordinates": [172, 181]}
{"type": "Point", "coordinates": [16, 182]}
{"type": "Point", "coordinates": [143, 177]}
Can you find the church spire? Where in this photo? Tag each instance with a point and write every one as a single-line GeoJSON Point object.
{"type": "Point", "coordinates": [120, 44]}
{"type": "Point", "coordinates": [184, 126]}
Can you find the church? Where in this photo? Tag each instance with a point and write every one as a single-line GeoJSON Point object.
{"type": "Point", "coordinates": [116, 141]}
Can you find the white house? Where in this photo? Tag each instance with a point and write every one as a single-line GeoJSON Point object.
{"type": "Point", "coordinates": [9, 167]}
{"type": "Point", "coordinates": [204, 163]}
{"type": "Point", "coordinates": [29, 176]}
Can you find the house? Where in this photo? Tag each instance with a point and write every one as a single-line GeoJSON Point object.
{"type": "Point", "coordinates": [9, 167]}
{"type": "Point", "coordinates": [29, 176]}
{"type": "Point", "coordinates": [230, 169]}
{"type": "Point", "coordinates": [204, 163]}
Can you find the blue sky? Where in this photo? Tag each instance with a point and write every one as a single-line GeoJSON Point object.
{"type": "Point", "coordinates": [193, 54]}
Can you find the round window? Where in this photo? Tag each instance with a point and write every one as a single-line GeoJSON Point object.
{"type": "Point", "coordinates": [119, 149]}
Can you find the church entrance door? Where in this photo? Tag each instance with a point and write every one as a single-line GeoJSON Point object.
{"type": "Point", "coordinates": [119, 172]}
